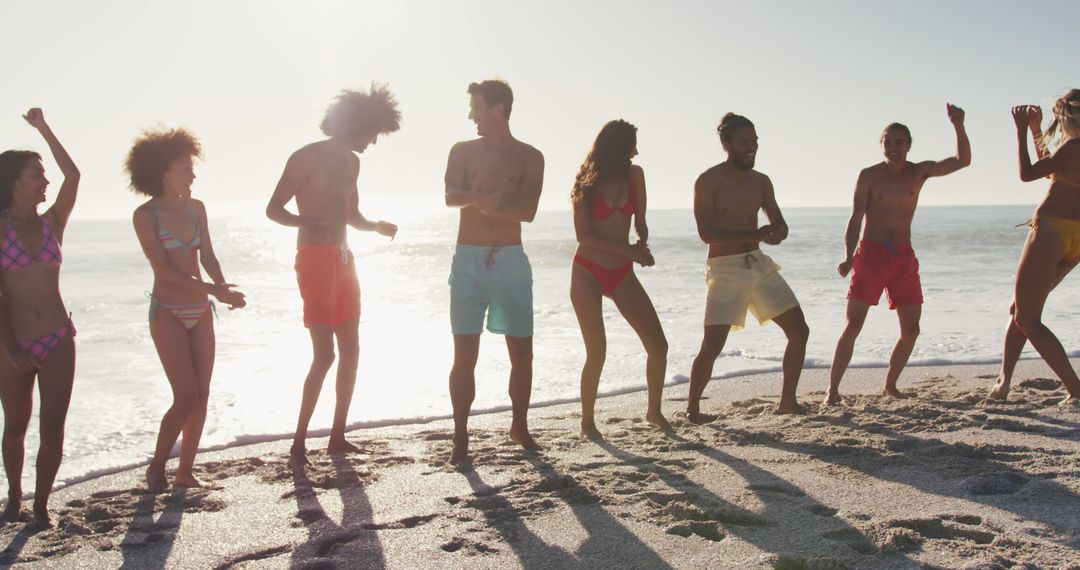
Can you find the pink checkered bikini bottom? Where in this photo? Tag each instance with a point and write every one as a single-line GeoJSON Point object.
{"type": "Point", "coordinates": [39, 348]}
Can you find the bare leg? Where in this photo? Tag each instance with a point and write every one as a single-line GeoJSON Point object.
{"type": "Point", "coordinates": [521, 360]}
{"type": "Point", "coordinates": [712, 343]}
{"type": "Point", "coordinates": [636, 307]}
{"type": "Point", "coordinates": [793, 323]}
{"type": "Point", "coordinates": [203, 349]}
{"type": "Point", "coordinates": [462, 392]}
{"type": "Point", "coordinates": [1034, 280]}
{"type": "Point", "coordinates": [845, 346]}
{"type": "Point", "coordinates": [174, 351]}
{"type": "Point", "coordinates": [348, 338]}
{"type": "Point", "coordinates": [1015, 339]}
{"type": "Point", "coordinates": [589, 307]}
{"type": "Point", "coordinates": [55, 379]}
{"type": "Point", "coordinates": [909, 316]}
{"type": "Point", "coordinates": [17, 394]}
{"type": "Point", "coordinates": [322, 357]}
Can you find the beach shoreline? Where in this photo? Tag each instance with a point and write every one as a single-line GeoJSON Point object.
{"type": "Point", "coordinates": [945, 478]}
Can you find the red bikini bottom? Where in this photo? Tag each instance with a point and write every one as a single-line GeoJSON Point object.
{"type": "Point", "coordinates": [608, 277]}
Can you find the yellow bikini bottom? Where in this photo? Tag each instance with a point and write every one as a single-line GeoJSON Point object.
{"type": "Point", "coordinates": [1068, 230]}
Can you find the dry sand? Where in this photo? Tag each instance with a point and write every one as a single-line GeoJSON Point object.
{"type": "Point", "coordinates": [945, 479]}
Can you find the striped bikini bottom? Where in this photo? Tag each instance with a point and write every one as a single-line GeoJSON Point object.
{"type": "Point", "coordinates": [188, 315]}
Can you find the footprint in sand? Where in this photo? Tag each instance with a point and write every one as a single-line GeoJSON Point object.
{"type": "Point", "coordinates": [993, 484]}
{"type": "Point", "coordinates": [1040, 384]}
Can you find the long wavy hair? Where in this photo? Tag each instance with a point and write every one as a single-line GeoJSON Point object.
{"type": "Point", "coordinates": [609, 159]}
{"type": "Point", "coordinates": [12, 163]}
{"type": "Point", "coordinates": [1066, 123]}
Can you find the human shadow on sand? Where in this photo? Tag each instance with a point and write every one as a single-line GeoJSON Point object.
{"type": "Point", "coordinates": [979, 473]}
{"type": "Point", "coordinates": [148, 543]}
{"type": "Point", "coordinates": [354, 539]}
{"type": "Point", "coordinates": [780, 528]}
{"type": "Point", "coordinates": [10, 554]}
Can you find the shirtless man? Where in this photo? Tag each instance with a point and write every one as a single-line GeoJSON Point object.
{"type": "Point", "coordinates": [727, 198]}
{"type": "Point", "coordinates": [495, 180]}
{"type": "Point", "coordinates": [322, 178]}
{"type": "Point", "coordinates": [887, 194]}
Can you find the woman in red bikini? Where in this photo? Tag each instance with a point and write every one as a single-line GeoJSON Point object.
{"type": "Point", "coordinates": [35, 328]}
{"type": "Point", "coordinates": [609, 193]}
{"type": "Point", "coordinates": [1053, 245]}
{"type": "Point", "coordinates": [175, 238]}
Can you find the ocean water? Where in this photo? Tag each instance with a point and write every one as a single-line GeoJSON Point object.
{"type": "Point", "coordinates": [968, 257]}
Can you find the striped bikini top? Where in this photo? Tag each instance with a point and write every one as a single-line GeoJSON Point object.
{"type": "Point", "coordinates": [13, 255]}
{"type": "Point", "coordinates": [169, 240]}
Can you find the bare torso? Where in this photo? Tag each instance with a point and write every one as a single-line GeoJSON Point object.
{"type": "Point", "coordinates": [737, 197]}
{"type": "Point", "coordinates": [329, 182]}
{"type": "Point", "coordinates": [1063, 198]}
{"type": "Point", "coordinates": [616, 227]}
{"type": "Point", "coordinates": [183, 224]}
{"type": "Point", "coordinates": [499, 171]}
{"type": "Point", "coordinates": [31, 294]}
{"type": "Point", "coordinates": [893, 197]}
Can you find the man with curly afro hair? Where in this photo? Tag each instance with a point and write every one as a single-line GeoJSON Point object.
{"type": "Point", "coordinates": [495, 180]}
{"type": "Point", "coordinates": [322, 178]}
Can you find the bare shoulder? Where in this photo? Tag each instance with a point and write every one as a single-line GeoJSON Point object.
{"type": "Point", "coordinates": [199, 206]}
{"type": "Point", "coordinates": [760, 179]}
{"type": "Point", "coordinates": [637, 171]}
{"type": "Point", "coordinates": [709, 179]}
{"type": "Point", "coordinates": [464, 148]}
{"type": "Point", "coordinates": [870, 173]}
{"type": "Point", "coordinates": [530, 152]}
{"type": "Point", "coordinates": [143, 212]}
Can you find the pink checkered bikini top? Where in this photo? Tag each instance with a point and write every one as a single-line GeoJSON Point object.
{"type": "Point", "coordinates": [13, 255]}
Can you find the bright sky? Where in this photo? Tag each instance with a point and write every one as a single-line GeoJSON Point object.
{"type": "Point", "coordinates": [253, 78]}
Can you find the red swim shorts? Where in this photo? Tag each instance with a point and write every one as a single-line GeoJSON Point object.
{"type": "Point", "coordinates": [891, 266]}
{"type": "Point", "coordinates": [326, 274]}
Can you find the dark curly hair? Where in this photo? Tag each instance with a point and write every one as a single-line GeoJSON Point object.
{"type": "Point", "coordinates": [356, 113]}
{"type": "Point", "coordinates": [152, 155]}
{"type": "Point", "coordinates": [609, 159]}
{"type": "Point", "coordinates": [12, 163]}
{"type": "Point", "coordinates": [731, 123]}
{"type": "Point", "coordinates": [494, 91]}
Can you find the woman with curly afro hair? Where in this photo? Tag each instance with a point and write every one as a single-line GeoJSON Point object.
{"type": "Point", "coordinates": [175, 237]}
{"type": "Point", "coordinates": [35, 327]}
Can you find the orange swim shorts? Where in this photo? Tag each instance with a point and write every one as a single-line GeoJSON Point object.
{"type": "Point", "coordinates": [326, 274]}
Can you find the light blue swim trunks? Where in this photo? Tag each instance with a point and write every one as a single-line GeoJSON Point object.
{"type": "Point", "coordinates": [492, 280]}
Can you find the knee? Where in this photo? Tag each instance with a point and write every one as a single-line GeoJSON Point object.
{"type": "Point", "coordinates": [187, 401]}
{"type": "Point", "coordinates": [52, 429]}
{"type": "Point", "coordinates": [596, 351]}
{"type": "Point", "coordinates": [15, 426]}
{"type": "Point", "coordinates": [1027, 323]}
{"type": "Point", "coordinates": [323, 358]}
{"type": "Point", "coordinates": [910, 332]}
{"type": "Point", "coordinates": [657, 346]}
{"type": "Point", "coordinates": [854, 326]}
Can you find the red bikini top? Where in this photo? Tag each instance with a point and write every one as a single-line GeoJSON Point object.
{"type": "Point", "coordinates": [602, 210]}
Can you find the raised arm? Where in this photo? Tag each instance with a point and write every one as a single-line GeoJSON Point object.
{"type": "Point", "coordinates": [854, 225]}
{"type": "Point", "coordinates": [1035, 126]}
{"type": "Point", "coordinates": [1047, 165]}
{"type": "Point", "coordinates": [522, 206]}
{"type": "Point", "coordinates": [65, 198]}
{"type": "Point", "coordinates": [705, 216]}
{"type": "Point", "coordinates": [963, 146]}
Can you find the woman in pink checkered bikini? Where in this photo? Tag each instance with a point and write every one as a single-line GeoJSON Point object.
{"type": "Point", "coordinates": [35, 329]}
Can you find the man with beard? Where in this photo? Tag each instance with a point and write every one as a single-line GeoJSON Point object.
{"type": "Point", "coordinates": [727, 198]}
{"type": "Point", "coordinates": [887, 194]}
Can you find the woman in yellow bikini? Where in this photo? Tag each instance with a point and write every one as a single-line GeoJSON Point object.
{"type": "Point", "coordinates": [1053, 245]}
{"type": "Point", "coordinates": [173, 233]}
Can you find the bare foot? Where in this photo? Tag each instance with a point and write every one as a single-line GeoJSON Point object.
{"type": "Point", "coordinates": [589, 431]}
{"type": "Point", "coordinates": [13, 511]}
{"type": "Point", "coordinates": [41, 518]}
{"type": "Point", "coordinates": [460, 455]}
{"type": "Point", "coordinates": [892, 392]}
{"type": "Point", "coordinates": [1000, 391]}
{"type": "Point", "coordinates": [832, 398]}
{"type": "Point", "coordinates": [521, 437]}
{"type": "Point", "coordinates": [155, 479]}
{"type": "Point", "coordinates": [342, 446]}
{"type": "Point", "coordinates": [659, 421]}
{"type": "Point", "coordinates": [298, 457]}
{"type": "Point", "coordinates": [187, 481]}
{"type": "Point", "coordinates": [789, 408]}
{"type": "Point", "coordinates": [700, 418]}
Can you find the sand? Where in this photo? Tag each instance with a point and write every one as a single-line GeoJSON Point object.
{"type": "Point", "coordinates": [945, 479]}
